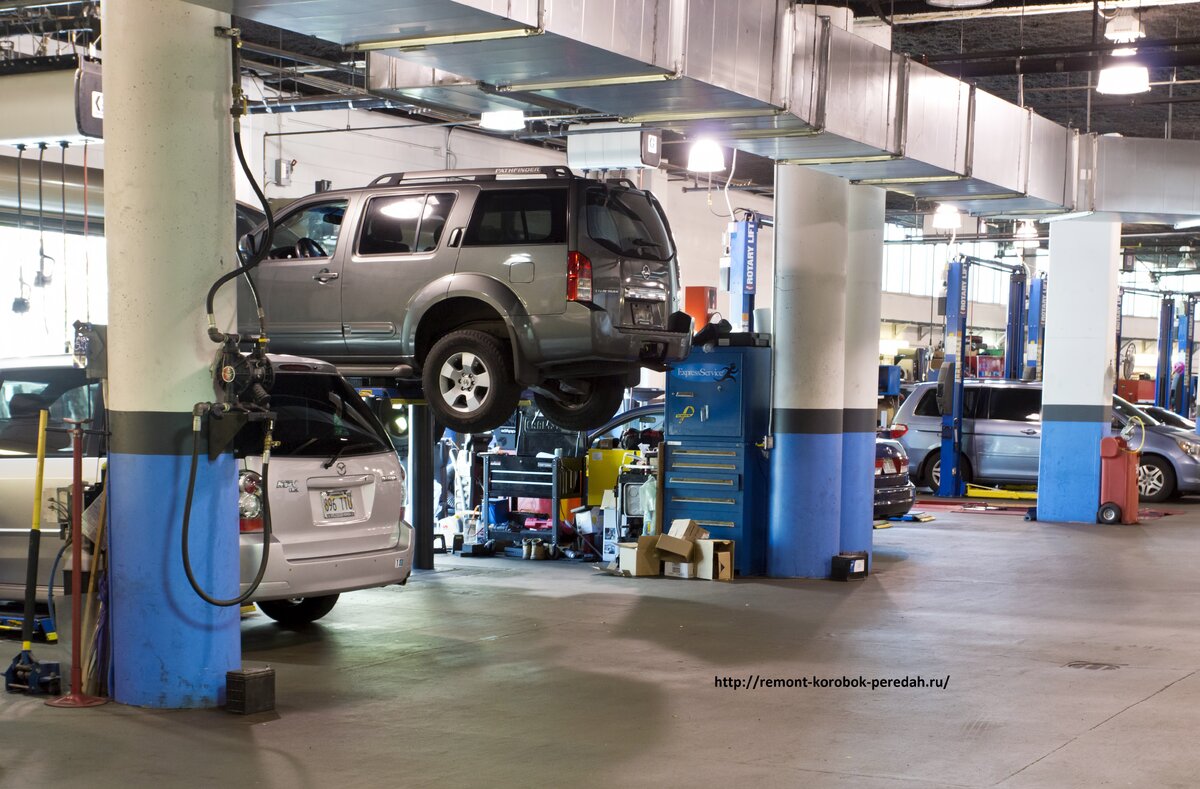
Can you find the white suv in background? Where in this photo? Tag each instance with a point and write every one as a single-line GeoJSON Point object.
{"type": "Point", "coordinates": [336, 487]}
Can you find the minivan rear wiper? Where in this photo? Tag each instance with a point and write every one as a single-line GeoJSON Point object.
{"type": "Point", "coordinates": [343, 448]}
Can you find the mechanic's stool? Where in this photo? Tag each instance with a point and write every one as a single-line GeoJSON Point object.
{"type": "Point", "coordinates": [439, 544]}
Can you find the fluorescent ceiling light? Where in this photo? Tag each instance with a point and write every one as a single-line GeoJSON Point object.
{"type": "Point", "coordinates": [1188, 224]}
{"type": "Point", "coordinates": [946, 217]}
{"type": "Point", "coordinates": [1123, 80]}
{"type": "Point", "coordinates": [706, 156]}
{"type": "Point", "coordinates": [1067, 216]}
{"type": "Point", "coordinates": [413, 42]}
{"type": "Point", "coordinates": [502, 120]}
{"type": "Point", "coordinates": [1027, 235]}
{"type": "Point", "coordinates": [958, 3]}
{"type": "Point", "coordinates": [585, 82]}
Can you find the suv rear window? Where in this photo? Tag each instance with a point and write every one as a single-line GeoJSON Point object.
{"type": "Point", "coordinates": [1016, 404]}
{"type": "Point", "coordinates": [518, 216]}
{"type": "Point", "coordinates": [319, 414]}
{"type": "Point", "coordinates": [627, 222]}
{"type": "Point", "coordinates": [928, 405]}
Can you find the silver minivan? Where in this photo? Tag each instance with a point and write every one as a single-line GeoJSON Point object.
{"type": "Point", "coordinates": [1002, 431]}
{"type": "Point", "coordinates": [481, 283]}
{"type": "Point", "coordinates": [336, 487]}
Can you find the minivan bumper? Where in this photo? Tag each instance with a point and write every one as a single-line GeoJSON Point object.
{"type": "Point", "coordinates": [327, 574]}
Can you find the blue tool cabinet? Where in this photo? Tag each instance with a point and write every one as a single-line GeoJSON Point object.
{"type": "Point", "coordinates": [717, 412]}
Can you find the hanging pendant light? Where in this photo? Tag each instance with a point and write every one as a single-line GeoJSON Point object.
{"type": "Point", "coordinates": [1123, 78]}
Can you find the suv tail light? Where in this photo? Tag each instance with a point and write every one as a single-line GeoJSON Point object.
{"type": "Point", "coordinates": [250, 503]}
{"type": "Point", "coordinates": [579, 277]}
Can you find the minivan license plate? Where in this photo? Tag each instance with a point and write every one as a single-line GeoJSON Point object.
{"type": "Point", "coordinates": [337, 504]}
{"type": "Point", "coordinates": [643, 314]}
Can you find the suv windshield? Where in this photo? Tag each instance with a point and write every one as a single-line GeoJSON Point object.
{"type": "Point", "coordinates": [628, 222]}
{"type": "Point", "coordinates": [320, 414]}
{"type": "Point", "coordinates": [65, 392]}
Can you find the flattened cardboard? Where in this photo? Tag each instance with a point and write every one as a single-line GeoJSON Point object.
{"type": "Point", "coordinates": [714, 560]}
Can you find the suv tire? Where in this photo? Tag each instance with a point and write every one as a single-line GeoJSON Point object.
{"type": "Point", "coordinates": [298, 611]}
{"type": "Point", "coordinates": [468, 381]}
{"type": "Point", "coordinates": [574, 412]}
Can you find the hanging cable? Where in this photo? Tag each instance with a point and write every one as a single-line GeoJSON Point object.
{"type": "Point", "coordinates": [87, 262]}
{"type": "Point", "coordinates": [62, 168]}
{"type": "Point", "coordinates": [40, 280]}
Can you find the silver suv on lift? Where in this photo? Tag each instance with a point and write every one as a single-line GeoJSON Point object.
{"type": "Point", "coordinates": [483, 283]}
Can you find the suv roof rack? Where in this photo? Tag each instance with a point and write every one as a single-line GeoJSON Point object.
{"type": "Point", "coordinates": [485, 174]}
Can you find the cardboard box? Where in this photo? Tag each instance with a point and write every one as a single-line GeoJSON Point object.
{"type": "Point", "coordinates": [679, 550]}
{"type": "Point", "coordinates": [608, 520]}
{"type": "Point", "coordinates": [640, 558]}
{"type": "Point", "coordinates": [714, 560]}
{"type": "Point", "coordinates": [686, 529]}
{"type": "Point", "coordinates": [587, 520]}
{"type": "Point", "coordinates": [608, 545]}
{"type": "Point", "coordinates": [679, 569]}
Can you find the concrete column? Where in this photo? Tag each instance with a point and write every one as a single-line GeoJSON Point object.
{"type": "Point", "coordinates": [864, 285]}
{"type": "Point", "coordinates": [1081, 315]}
{"type": "Point", "coordinates": [170, 233]}
{"type": "Point", "coordinates": [809, 316]}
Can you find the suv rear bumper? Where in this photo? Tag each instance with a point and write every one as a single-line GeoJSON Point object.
{"type": "Point", "coordinates": [584, 336]}
{"type": "Point", "coordinates": [325, 575]}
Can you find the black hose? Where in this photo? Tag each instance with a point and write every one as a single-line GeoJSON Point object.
{"type": "Point", "coordinates": [237, 109]}
{"type": "Point", "coordinates": [50, 585]}
{"type": "Point", "coordinates": [187, 517]}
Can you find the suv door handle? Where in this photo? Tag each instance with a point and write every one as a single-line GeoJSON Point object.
{"type": "Point", "coordinates": [456, 236]}
{"type": "Point", "coordinates": [1029, 431]}
{"type": "Point", "coordinates": [325, 275]}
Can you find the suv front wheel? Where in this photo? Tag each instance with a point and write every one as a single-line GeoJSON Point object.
{"type": "Point", "coordinates": [584, 412]}
{"type": "Point", "coordinates": [468, 381]}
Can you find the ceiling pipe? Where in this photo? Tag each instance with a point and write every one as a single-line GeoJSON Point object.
{"type": "Point", "coordinates": [1027, 11]}
{"type": "Point", "coordinates": [1069, 64]}
{"type": "Point", "coordinates": [1008, 54]}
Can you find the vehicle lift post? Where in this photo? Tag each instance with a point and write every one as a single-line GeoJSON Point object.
{"type": "Point", "coordinates": [1166, 324]}
{"type": "Point", "coordinates": [1186, 340]}
{"type": "Point", "coordinates": [1036, 332]}
{"type": "Point", "coordinates": [743, 270]}
{"type": "Point", "coordinates": [951, 482]}
{"type": "Point", "coordinates": [1014, 332]}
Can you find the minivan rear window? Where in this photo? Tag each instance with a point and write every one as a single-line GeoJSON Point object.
{"type": "Point", "coordinates": [319, 414]}
{"type": "Point", "coordinates": [1016, 404]}
{"type": "Point", "coordinates": [512, 217]}
{"type": "Point", "coordinates": [628, 222]}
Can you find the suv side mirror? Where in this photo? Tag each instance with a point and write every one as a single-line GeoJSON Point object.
{"type": "Point", "coordinates": [945, 388]}
{"type": "Point", "coordinates": [248, 245]}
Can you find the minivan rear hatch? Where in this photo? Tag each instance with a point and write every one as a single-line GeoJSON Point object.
{"type": "Point", "coordinates": [635, 261]}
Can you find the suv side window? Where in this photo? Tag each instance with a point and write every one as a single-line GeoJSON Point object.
{"type": "Point", "coordinates": [1017, 404]}
{"type": "Point", "coordinates": [310, 232]}
{"type": "Point", "coordinates": [518, 216]}
{"type": "Point", "coordinates": [402, 224]}
{"type": "Point", "coordinates": [928, 405]}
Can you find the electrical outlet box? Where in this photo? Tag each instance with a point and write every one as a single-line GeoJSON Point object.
{"type": "Point", "coordinates": [283, 172]}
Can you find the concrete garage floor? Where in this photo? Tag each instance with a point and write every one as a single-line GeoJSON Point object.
{"type": "Point", "coordinates": [1072, 654]}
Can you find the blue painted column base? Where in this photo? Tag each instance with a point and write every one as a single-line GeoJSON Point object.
{"type": "Point", "coordinates": [1069, 471]}
{"type": "Point", "coordinates": [858, 492]}
{"type": "Point", "coordinates": [172, 649]}
{"type": "Point", "coordinates": [806, 490]}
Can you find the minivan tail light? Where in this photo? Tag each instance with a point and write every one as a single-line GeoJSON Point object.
{"type": "Point", "coordinates": [579, 277]}
{"type": "Point", "coordinates": [898, 431]}
{"type": "Point", "coordinates": [250, 502]}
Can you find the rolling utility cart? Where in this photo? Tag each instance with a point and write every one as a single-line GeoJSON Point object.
{"type": "Point", "coordinates": [717, 409]}
{"type": "Point", "coordinates": [514, 476]}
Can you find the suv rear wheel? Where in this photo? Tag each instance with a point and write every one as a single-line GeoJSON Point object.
{"type": "Point", "coordinates": [298, 610]}
{"type": "Point", "coordinates": [468, 381]}
{"type": "Point", "coordinates": [584, 412]}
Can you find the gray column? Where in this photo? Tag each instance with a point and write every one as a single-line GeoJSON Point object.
{"type": "Point", "coordinates": [170, 226]}
{"type": "Point", "coordinates": [809, 317]}
{"type": "Point", "coordinates": [864, 284]}
{"type": "Point", "coordinates": [1079, 366]}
